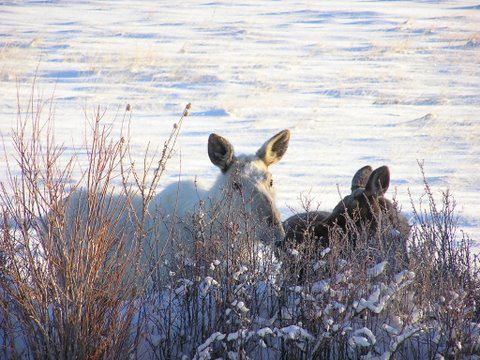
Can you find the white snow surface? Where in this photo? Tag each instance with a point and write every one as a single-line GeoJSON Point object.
{"type": "Point", "coordinates": [357, 82]}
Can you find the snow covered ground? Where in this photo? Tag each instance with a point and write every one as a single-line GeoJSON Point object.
{"type": "Point", "coordinates": [357, 82]}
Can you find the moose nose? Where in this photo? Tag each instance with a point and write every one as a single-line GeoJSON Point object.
{"type": "Point", "coordinates": [279, 234]}
{"type": "Point", "coordinates": [273, 234]}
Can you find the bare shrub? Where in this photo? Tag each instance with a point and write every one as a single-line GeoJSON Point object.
{"type": "Point", "coordinates": [371, 300]}
{"type": "Point", "coordinates": [73, 285]}
{"type": "Point", "coordinates": [367, 301]}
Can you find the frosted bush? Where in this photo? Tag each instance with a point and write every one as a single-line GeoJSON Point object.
{"type": "Point", "coordinates": [236, 301]}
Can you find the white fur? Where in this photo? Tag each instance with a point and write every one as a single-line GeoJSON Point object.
{"type": "Point", "coordinates": [178, 203]}
{"type": "Point", "coordinates": [242, 191]}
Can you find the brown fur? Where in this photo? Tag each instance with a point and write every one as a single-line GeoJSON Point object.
{"type": "Point", "coordinates": [365, 205]}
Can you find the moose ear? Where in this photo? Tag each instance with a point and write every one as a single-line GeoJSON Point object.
{"type": "Point", "coordinates": [273, 150]}
{"type": "Point", "coordinates": [220, 152]}
{"type": "Point", "coordinates": [361, 177]}
{"type": "Point", "coordinates": [378, 182]}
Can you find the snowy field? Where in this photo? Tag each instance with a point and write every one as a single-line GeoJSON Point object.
{"type": "Point", "coordinates": [366, 82]}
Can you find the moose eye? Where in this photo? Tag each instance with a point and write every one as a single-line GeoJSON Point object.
{"type": "Point", "coordinates": [237, 186]}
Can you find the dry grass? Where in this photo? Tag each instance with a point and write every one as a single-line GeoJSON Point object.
{"type": "Point", "coordinates": [72, 285]}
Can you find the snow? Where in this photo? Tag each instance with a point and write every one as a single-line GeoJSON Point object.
{"type": "Point", "coordinates": [391, 329]}
{"type": "Point", "coordinates": [203, 350]}
{"type": "Point", "coordinates": [233, 336]}
{"type": "Point", "coordinates": [319, 265]}
{"type": "Point", "coordinates": [357, 83]}
{"type": "Point", "coordinates": [321, 286]}
{"type": "Point", "coordinates": [325, 252]}
{"type": "Point", "coordinates": [406, 333]}
{"type": "Point", "coordinates": [377, 269]}
{"type": "Point", "coordinates": [207, 283]}
{"type": "Point", "coordinates": [240, 271]}
{"type": "Point", "coordinates": [241, 306]}
{"type": "Point", "coordinates": [366, 333]}
{"type": "Point", "coordinates": [376, 304]}
{"type": "Point", "coordinates": [358, 341]}
{"type": "Point", "coordinates": [185, 284]}
{"type": "Point", "coordinates": [264, 332]}
{"type": "Point", "coordinates": [294, 332]}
